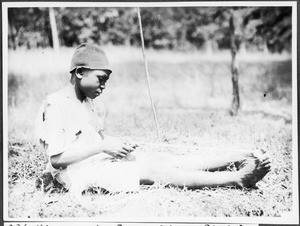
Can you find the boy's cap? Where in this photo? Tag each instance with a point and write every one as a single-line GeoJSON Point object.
{"type": "Point", "coordinates": [89, 56]}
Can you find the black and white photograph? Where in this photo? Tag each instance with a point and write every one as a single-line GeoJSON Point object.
{"type": "Point", "coordinates": [182, 112]}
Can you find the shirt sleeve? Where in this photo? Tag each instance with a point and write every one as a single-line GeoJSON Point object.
{"type": "Point", "coordinates": [53, 128]}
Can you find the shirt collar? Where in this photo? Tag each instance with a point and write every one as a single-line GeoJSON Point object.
{"type": "Point", "coordinates": [69, 92]}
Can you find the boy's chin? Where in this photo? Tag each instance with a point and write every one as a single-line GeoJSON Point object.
{"type": "Point", "coordinates": [94, 95]}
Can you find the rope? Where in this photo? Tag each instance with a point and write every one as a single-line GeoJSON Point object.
{"type": "Point", "coordinates": [147, 73]}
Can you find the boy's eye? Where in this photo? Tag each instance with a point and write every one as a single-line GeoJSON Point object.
{"type": "Point", "coordinates": [103, 79]}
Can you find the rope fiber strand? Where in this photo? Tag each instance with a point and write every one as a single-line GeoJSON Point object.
{"type": "Point", "coordinates": [147, 73]}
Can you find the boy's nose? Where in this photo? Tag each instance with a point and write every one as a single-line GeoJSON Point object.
{"type": "Point", "coordinates": [102, 86]}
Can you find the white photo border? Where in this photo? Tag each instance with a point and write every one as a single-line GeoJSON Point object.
{"type": "Point", "coordinates": [290, 218]}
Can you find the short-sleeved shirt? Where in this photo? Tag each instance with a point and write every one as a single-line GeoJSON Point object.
{"type": "Point", "coordinates": [64, 122]}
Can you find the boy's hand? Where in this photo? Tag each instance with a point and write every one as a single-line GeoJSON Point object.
{"type": "Point", "coordinates": [116, 148]}
{"type": "Point", "coordinates": [131, 143]}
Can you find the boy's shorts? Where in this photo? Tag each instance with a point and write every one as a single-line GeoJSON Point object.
{"type": "Point", "coordinates": [114, 175]}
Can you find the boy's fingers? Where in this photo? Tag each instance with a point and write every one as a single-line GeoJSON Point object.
{"type": "Point", "coordinates": [128, 148]}
{"type": "Point", "coordinates": [124, 152]}
{"type": "Point", "coordinates": [121, 155]}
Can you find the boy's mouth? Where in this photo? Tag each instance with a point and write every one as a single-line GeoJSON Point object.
{"type": "Point", "coordinates": [99, 91]}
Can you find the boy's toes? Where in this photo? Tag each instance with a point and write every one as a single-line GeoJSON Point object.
{"type": "Point", "coordinates": [265, 163]}
{"type": "Point", "coordinates": [261, 169]}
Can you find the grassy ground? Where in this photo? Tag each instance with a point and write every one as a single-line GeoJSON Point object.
{"type": "Point", "coordinates": [192, 94]}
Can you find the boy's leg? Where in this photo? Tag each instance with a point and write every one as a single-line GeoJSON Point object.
{"type": "Point", "coordinates": [248, 176]}
{"type": "Point", "coordinates": [199, 162]}
{"type": "Point", "coordinates": [190, 178]}
{"type": "Point", "coordinates": [208, 162]}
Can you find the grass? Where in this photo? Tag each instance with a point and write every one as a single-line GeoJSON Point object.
{"type": "Point", "coordinates": [192, 93]}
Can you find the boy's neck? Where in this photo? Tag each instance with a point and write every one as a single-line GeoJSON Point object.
{"type": "Point", "coordinates": [79, 94]}
{"type": "Point", "coordinates": [75, 93]}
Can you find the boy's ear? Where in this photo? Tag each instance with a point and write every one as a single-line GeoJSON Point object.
{"type": "Point", "coordinates": [79, 73]}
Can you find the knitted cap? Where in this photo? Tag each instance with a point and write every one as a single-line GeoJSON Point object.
{"type": "Point", "coordinates": [89, 56]}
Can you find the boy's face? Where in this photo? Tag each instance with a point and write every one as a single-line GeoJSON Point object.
{"type": "Point", "coordinates": [93, 82]}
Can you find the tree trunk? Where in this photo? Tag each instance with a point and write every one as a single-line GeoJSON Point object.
{"type": "Point", "coordinates": [53, 29]}
{"type": "Point", "coordinates": [12, 33]}
{"type": "Point", "coordinates": [234, 66]}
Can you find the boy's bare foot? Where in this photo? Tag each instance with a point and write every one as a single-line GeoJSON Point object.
{"type": "Point", "coordinates": [259, 155]}
{"type": "Point", "coordinates": [252, 171]}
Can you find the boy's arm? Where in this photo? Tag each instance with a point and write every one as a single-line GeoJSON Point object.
{"type": "Point", "coordinates": [62, 155]}
{"type": "Point", "coordinates": [114, 147]}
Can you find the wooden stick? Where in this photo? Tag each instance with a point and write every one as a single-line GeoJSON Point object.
{"type": "Point", "coordinates": [147, 73]}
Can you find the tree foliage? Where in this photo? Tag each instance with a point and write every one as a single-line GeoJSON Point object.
{"type": "Point", "coordinates": [271, 26]}
{"type": "Point", "coordinates": [164, 27]}
{"type": "Point", "coordinates": [29, 27]}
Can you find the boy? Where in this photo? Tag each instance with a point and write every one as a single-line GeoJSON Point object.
{"type": "Point", "coordinates": [81, 156]}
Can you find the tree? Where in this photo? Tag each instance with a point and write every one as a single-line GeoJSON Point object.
{"type": "Point", "coordinates": [271, 26]}
{"type": "Point", "coordinates": [53, 29]}
{"type": "Point", "coordinates": [233, 18]}
{"type": "Point", "coordinates": [234, 24]}
{"type": "Point", "coordinates": [28, 27]}
{"type": "Point", "coordinates": [165, 27]}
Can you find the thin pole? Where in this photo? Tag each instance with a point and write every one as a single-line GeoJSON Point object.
{"type": "Point", "coordinates": [147, 73]}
